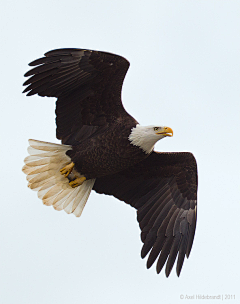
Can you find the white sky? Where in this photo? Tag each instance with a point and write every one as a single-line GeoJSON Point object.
{"type": "Point", "coordinates": [185, 73]}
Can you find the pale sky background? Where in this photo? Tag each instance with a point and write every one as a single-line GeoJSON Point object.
{"type": "Point", "coordinates": [184, 73]}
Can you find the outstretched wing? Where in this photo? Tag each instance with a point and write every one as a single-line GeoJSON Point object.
{"type": "Point", "coordinates": [88, 86]}
{"type": "Point", "coordinates": [163, 189]}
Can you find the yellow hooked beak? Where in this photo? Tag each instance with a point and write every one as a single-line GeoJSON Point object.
{"type": "Point", "coordinates": [166, 131]}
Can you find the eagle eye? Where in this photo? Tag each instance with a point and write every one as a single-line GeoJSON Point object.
{"type": "Point", "coordinates": [155, 128]}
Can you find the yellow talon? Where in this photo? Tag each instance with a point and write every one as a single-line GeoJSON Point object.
{"type": "Point", "coordinates": [77, 182]}
{"type": "Point", "coordinates": [67, 169]}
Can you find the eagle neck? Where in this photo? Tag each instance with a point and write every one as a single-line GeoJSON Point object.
{"type": "Point", "coordinates": [139, 137]}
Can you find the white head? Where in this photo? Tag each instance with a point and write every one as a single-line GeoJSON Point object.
{"type": "Point", "coordinates": [146, 137]}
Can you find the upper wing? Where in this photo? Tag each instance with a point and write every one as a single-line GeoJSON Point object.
{"type": "Point", "coordinates": [88, 87]}
{"type": "Point", "coordinates": [163, 189]}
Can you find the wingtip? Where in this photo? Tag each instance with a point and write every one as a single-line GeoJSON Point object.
{"type": "Point", "coordinates": [144, 252]}
{"type": "Point", "coordinates": [30, 93]}
{"type": "Point", "coordinates": [167, 272]}
{"type": "Point", "coordinates": [179, 268]}
{"type": "Point", "coordinates": [149, 264]}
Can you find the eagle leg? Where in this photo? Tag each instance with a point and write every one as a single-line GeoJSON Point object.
{"type": "Point", "coordinates": [67, 169]}
{"type": "Point", "coordinates": [77, 181]}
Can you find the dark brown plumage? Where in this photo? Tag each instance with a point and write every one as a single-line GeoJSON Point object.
{"type": "Point", "coordinates": [163, 189]}
{"type": "Point", "coordinates": [89, 79]}
{"type": "Point", "coordinates": [91, 119]}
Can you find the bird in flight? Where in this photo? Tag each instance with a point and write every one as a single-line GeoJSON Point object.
{"type": "Point", "coordinates": [105, 149]}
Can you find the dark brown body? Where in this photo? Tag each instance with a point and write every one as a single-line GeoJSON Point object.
{"type": "Point", "coordinates": [107, 153]}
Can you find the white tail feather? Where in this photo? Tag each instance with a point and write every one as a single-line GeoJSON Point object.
{"type": "Point", "coordinates": [42, 168]}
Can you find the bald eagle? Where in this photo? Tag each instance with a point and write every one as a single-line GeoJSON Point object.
{"type": "Point", "coordinates": [105, 149]}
